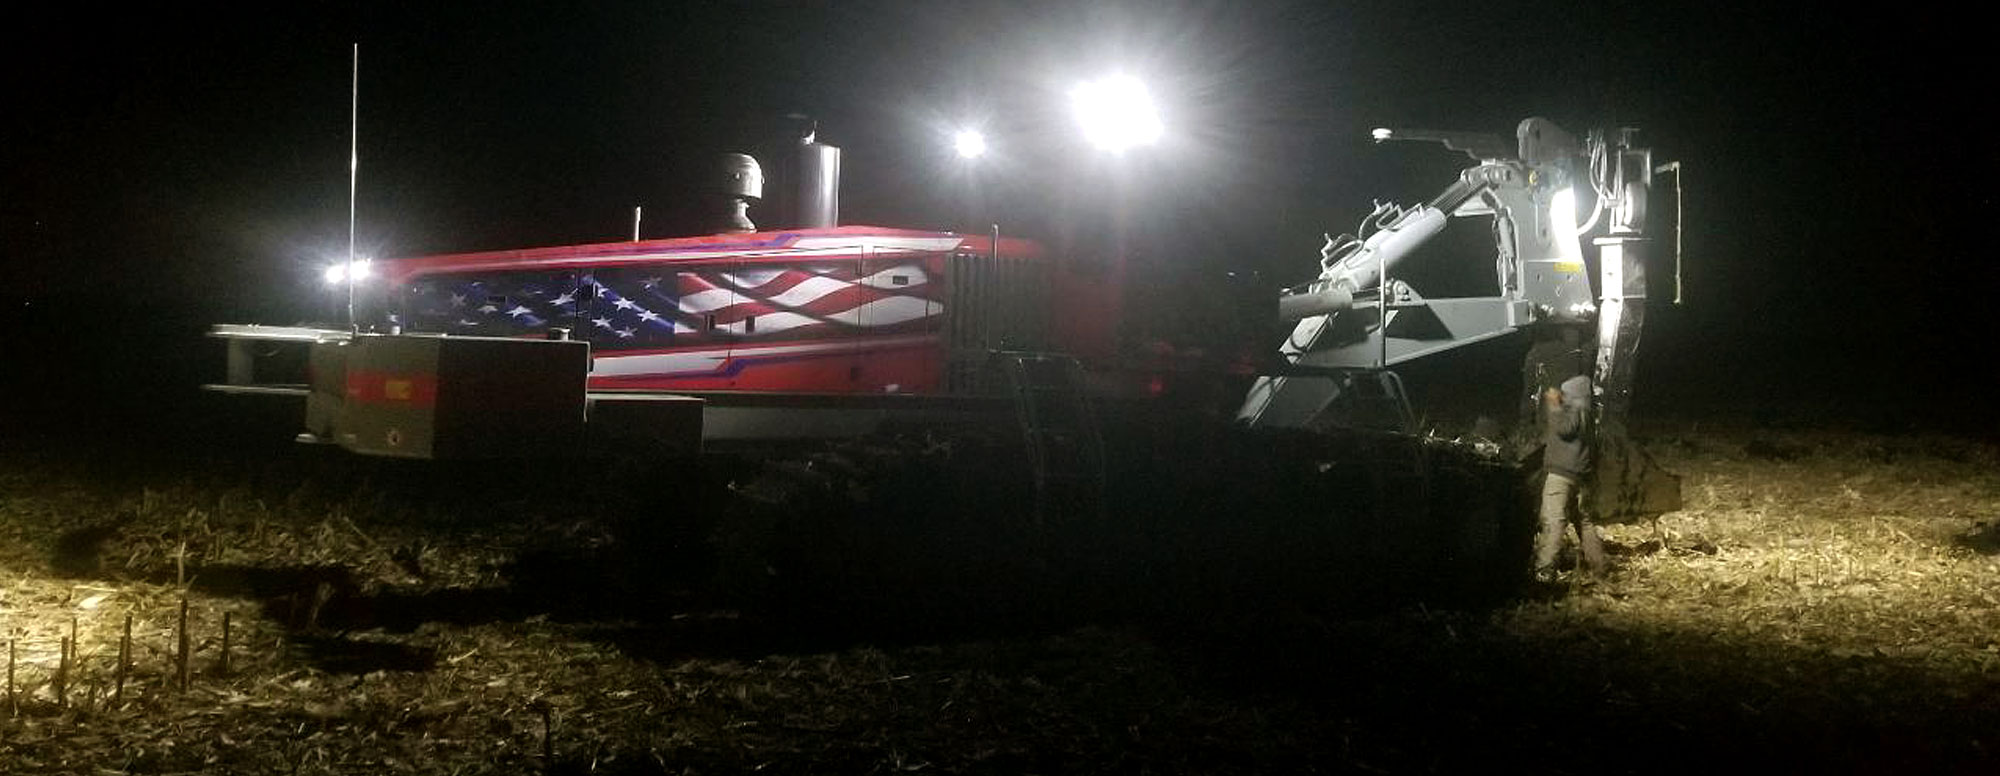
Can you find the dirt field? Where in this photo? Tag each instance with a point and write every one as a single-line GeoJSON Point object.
{"type": "Point", "coordinates": [1827, 602]}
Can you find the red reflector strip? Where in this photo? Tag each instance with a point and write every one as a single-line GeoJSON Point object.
{"type": "Point", "coordinates": [389, 388]}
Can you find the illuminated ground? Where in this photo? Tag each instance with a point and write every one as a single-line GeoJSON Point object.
{"type": "Point", "coordinates": [1828, 602]}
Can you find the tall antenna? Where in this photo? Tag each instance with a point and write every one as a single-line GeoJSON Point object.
{"type": "Point", "coordinates": [353, 171]}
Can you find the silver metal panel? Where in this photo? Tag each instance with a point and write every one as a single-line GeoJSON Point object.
{"type": "Point", "coordinates": [277, 333]}
{"type": "Point", "coordinates": [256, 390]}
{"type": "Point", "coordinates": [1294, 400]}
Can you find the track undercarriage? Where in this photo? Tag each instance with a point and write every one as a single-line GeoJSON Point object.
{"type": "Point", "coordinates": [1190, 512]}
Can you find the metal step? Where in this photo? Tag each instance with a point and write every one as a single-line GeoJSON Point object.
{"type": "Point", "coordinates": [1064, 448]}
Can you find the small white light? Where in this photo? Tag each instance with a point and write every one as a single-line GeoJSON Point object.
{"type": "Point", "coordinates": [1382, 133]}
{"type": "Point", "coordinates": [1116, 113]}
{"type": "Point", "coordinates": [969, 144]}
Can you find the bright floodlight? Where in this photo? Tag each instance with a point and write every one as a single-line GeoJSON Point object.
{"type": "Point", "coordinates": [1116, 113]}
{"type": "Point", "coordinates": [1562, 210]}
{"type": "Point", "coordinates": [337, 274]}
{"type": "Point", "coordinates": [969, 144]}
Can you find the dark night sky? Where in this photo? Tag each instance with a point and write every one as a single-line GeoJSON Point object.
{"type": "Point", "coordinates": [196, 160]}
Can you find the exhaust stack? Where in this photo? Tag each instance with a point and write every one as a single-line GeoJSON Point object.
{"type": "Point", "coordinates": [816, 184]}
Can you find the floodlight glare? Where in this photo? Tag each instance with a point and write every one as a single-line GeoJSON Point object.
{"type": "Point", "coordinates": [1116, 113]}
{"type": "Point", "coordinates": [337, 274]}
{"type": "Point", "coordinates": [969, 144]}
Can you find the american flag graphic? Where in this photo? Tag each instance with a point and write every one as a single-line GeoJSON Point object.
{"type": "Point", "coordinates": [652, 307]}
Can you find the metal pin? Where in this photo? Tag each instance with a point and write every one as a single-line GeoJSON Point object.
{"type": "Point", "coordinates": [124, 657]}
{"type": "Point", "coordinates": [62, 673]}
{"type": "Point", "coordinates": [181, 658]}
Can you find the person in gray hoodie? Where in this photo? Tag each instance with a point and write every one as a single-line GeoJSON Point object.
{"type": "Point", "coordinates": [1565, 460]}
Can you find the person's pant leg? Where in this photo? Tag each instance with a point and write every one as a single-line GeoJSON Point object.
{"type": "Point", "coordinates": [1589, 542]}
{"type": "Point", "coordinates": [1558, 491]}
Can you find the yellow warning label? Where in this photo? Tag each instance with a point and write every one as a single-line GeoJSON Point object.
{"type": "Point", "coordinates": [1569, 266]}
{"type": "Point", "coordinates": [397, 390]}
